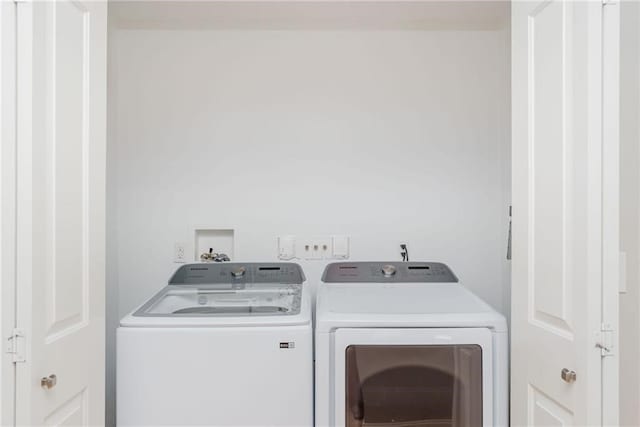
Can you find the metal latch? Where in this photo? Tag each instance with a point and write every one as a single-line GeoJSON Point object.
{"type": "Point", "coordinates": [15, 345]}
{"type": "Point", "coordinates": [605, 340]}
{"type": "Point", "coordinates": [509, 235]}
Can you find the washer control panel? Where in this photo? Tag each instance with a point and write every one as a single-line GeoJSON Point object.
{"type": "Point", "coordinates": [388, 272]}
{"type": "Point", "coordinates": [238, 273]}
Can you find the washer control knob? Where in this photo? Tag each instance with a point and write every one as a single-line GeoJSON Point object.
{"type": "Point", "coordinates": [238, 272]}
{"type": "Point", "coordinates": [388, 270]}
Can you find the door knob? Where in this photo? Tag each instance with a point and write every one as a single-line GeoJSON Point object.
{"type": "Point", "coordinates": [48, 382]}
{"type": "Point", "coordinates": [568, 376]}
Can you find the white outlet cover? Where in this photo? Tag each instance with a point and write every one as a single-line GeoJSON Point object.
{"type": "Point", "coordinates": [286, 247]}
{"type": "Point", "coordinates": [340, 247]}
{"type": "Point", "coordinates": [179, 254]}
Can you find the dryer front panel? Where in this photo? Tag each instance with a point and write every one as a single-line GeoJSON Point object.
{"type": "Point", "coordinates": [413, 377]}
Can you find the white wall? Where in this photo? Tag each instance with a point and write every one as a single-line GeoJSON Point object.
{"type": "Point", "coordinates": [630, 212]}
{"type": "Point", "coordinates": [385, 136]}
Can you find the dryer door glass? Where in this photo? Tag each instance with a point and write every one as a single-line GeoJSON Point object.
{"type": "Point", "coordinates": [408, 385]}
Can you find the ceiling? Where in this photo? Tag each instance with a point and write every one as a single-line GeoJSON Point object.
{"type": "Point", "coordinates": [310, 15]}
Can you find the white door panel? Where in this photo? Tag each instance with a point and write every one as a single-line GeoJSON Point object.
{"type": "Point", "coordinates": [611, 272]}
{"type": "Point", "coordinates": [558, 246]}
{"type": "Point", "coordinates": [61, 168]}
{"type": "Point", "coordinates": [8, 205]}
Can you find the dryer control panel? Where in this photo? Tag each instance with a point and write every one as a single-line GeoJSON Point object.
{"type": "Point", "coordinates": [388, 272]}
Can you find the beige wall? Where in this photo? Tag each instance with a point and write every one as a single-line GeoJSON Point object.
{"type": "Point", "coordinates": [384, 136]}
{"type": "Point", "coordinates": [630, 212]}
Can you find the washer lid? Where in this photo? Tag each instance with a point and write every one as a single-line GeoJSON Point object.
{"type": "Point", "coordinates": [228, 294]}
{"type": "Point", "coordinates": [255, 305]}
{"type": "Point", "coordinates": [204, 301]}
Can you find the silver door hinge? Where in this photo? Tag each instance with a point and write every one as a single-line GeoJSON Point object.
{"type": "Point", "coordinates": [605, 340]}
{"type": "Point", "coordinates": [509, 234]}
{"type": "Point", "coordinates": [15, 345]}
{"type": "Point", "coordinates": [609, 2]}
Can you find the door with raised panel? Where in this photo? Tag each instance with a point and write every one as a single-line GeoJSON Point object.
{"type": "Point", "coordinates": [561, 267]}
{"type": "Point", "coordinates": [61, 105]}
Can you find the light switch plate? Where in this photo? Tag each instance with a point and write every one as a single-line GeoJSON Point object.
{"type": "Point", "coordinates": [286, 247]}
{"type": "Point", "coordinates": [340, 247]}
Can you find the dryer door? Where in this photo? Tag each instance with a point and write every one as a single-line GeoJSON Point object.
{"type": "Point", "coordinates": [413, 377]}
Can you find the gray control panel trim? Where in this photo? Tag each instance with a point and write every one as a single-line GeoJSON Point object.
{"type": "Point", "coordinates": [388, 272]}
{"type": "Point", "coordinates": [238, 273]}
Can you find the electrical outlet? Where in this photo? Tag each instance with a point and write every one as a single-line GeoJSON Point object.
{"type": "Point", "coordinates": [179, 253]}
{"type": "Point", "coordinates": [314, 247]}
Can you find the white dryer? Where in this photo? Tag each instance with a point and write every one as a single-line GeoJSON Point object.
{"type": "Point", "coordinates": [405, 344]}
{"type": "Point", "coordinates": [224, 344]}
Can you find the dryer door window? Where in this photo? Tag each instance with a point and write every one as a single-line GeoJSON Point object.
{"type": "Point", "coordinates": [413, 385]}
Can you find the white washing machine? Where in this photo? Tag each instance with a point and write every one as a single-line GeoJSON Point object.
{"type": "Point", "coordinates": [404, 344]}
{"type": "Point", "coordinates": [224, 344]}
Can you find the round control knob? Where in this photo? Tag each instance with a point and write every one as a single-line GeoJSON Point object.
{"type": "Point", "coordinates": [388, 270]}
{"type": "Point", "coordinates": [238, 272]}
